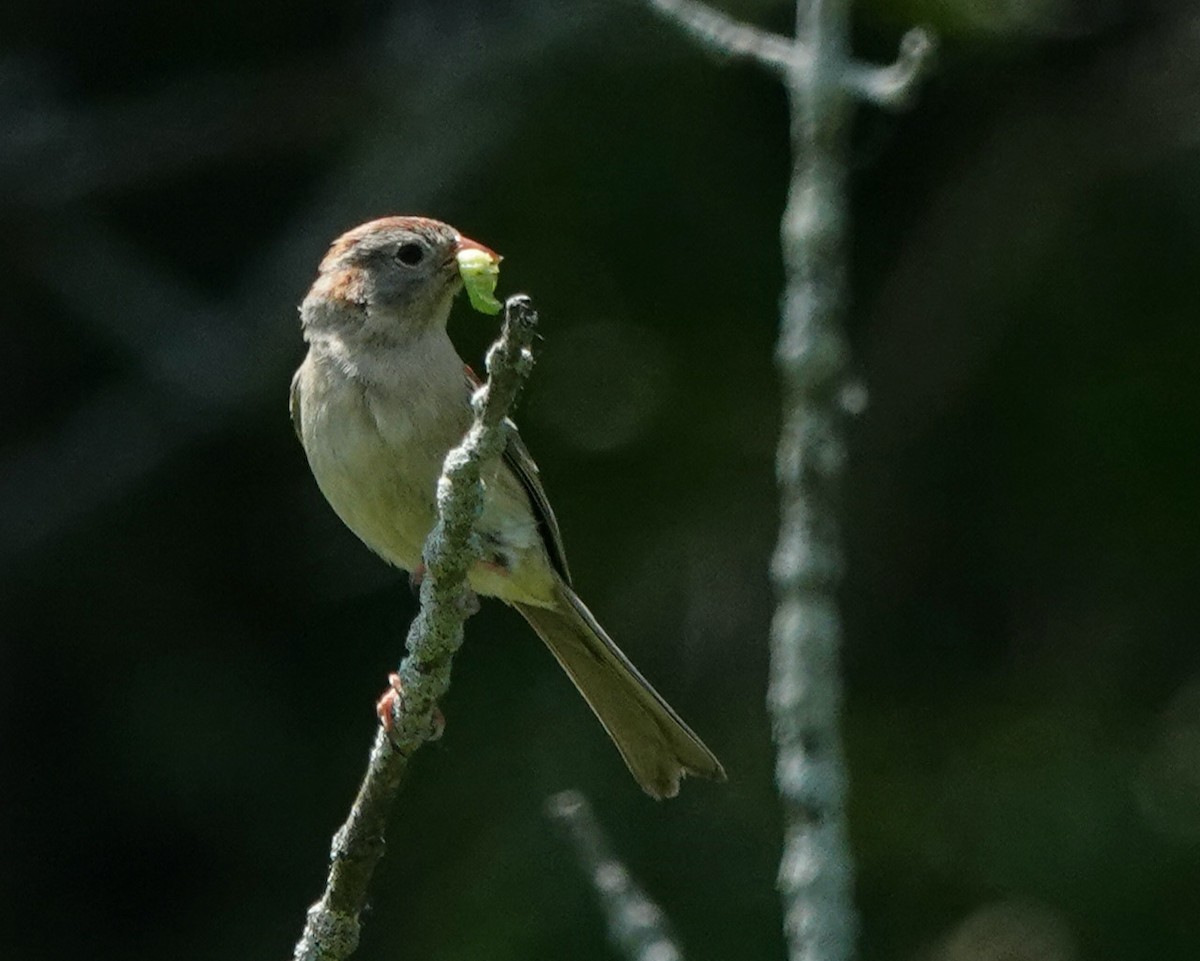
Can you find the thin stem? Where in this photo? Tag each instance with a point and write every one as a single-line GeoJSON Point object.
{"type": "Point", "coordinates": [895, 85]}
{"type": "Point", "coordinates": [636, 925]}
{"type": "Point", "coordinates": [805, 693]}
{"type": "Point", "coordinates": [727, 37]}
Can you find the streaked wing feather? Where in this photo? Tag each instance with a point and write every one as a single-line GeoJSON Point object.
{"type": "Point", "coordinates": [517, 456]}
{"type": "Point", "coordinates": [522, 464]}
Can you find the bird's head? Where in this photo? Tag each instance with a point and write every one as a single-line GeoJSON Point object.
{"type": "Point", "coordinates": [389, 279]}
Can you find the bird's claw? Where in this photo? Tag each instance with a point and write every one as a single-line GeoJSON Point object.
{"type": "Point", "coordinates": [392, 700]}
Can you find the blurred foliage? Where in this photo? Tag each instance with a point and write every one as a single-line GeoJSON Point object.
{"type": "Point", "coordinates": [192, 643]}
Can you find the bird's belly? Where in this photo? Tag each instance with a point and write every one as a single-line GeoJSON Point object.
{"type": "Point", "coordinates": [383, 497]}
{"type": "Point", "coordinates": [379, 471]}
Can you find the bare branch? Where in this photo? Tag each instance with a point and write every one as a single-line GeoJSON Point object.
{"type": "Point", "coordinates": [332, 928]}
{"type": "Point", "coordinates": [730, 38]}
{"type": "Point", "coordinates": [805, 695]}
{"type": "Point", "coordinates": [636, 925]}
{"type": "Point", "coordinates": [895, 86]}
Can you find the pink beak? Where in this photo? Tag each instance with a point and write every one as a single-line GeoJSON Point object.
{"type": "Point", "coordinates": [466, 243]}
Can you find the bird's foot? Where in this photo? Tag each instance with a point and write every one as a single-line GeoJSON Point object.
{"type": "Point", "coordinates": [392, 700]}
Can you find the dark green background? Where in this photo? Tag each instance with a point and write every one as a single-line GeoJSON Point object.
{"type": "Point", "coordinates": [192, 643]}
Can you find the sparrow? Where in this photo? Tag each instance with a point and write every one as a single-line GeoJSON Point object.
{"type": "Point", "coordinates": [381, 398]}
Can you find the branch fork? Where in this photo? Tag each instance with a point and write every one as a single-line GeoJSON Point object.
{"type": "Point", "coordinates": [892, 86]}
{"type": "Point", "coordinates": [824, 83]}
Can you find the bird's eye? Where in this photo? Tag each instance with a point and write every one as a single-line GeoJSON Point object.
{"type": "Point", "coordinates": [410, 254]}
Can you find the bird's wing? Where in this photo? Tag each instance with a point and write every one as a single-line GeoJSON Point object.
{"type": "Point", "coordinates": [523, 466]}
{"type": "Point", "coordinates": [294, 406]}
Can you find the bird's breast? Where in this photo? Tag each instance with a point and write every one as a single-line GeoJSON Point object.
{"type": "Point", "coordinates": [377, 447]}
{"type": "Point", "coordinates": [377, 452]}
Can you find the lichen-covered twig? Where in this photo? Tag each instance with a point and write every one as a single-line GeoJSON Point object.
{"type": "Point", "coordinates": [805, 693]}
{"type": "Point", "coordinates": [332, 928]}
{"type": "Point", "coordinates": [636, 925]}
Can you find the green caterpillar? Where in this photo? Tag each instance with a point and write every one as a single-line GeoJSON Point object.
{"type": "Point", "coordinates": [480, 273]}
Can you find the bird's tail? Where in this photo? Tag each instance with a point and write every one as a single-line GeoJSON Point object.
{"type": "Point", "coordinates": [657, 745]}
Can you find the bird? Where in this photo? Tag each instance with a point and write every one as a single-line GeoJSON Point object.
{"type": "Point", "coordinates": [381, 397]}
